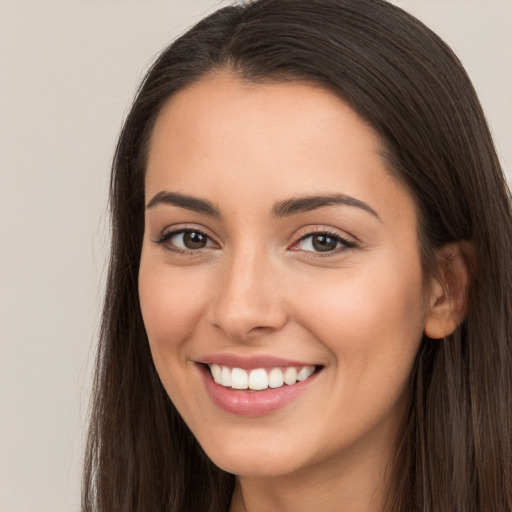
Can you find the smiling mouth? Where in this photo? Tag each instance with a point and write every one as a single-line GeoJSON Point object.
{"type": "Point", "coordinates": [260, 379]}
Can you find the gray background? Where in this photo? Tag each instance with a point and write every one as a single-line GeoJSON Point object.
{"type": "Point", "coordinates": [68, 71]}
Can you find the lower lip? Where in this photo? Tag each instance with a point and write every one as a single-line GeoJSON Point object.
{"type": "Point", "coordinates": [256, 403]}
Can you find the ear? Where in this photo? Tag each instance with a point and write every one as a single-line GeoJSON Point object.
{"type": "Point", "coordinates": [450, 289]}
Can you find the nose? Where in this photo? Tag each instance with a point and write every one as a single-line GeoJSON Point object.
{"type": "Point", "coordinates": [249, 300]}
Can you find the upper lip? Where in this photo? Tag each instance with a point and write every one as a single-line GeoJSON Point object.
{"type": "Point", "coordinates": [251, 362]}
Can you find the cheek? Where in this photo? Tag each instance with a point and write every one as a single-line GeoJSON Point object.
{"type": "Point", "coordinates": [371, 322]}
{"type": "Point", "coordinates": [372, 325]}
{"type": "Point", "coordinates": [172, 304]}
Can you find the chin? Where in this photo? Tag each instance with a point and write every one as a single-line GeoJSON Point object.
{"type": "Point", "coordinates": [253, 465]}
{"type": "Point", "coordinates": [259, 459]}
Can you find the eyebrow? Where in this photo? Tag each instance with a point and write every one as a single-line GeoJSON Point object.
{"type": "Point", "coordinates": [280, 209]}
{"type": "Point", "coordinates": [304, 204]}
{"type": "Point", "coordinates": [184, 201]}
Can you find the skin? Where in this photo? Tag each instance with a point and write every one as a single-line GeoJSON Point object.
{"type": "Point", "coordinates": [259, 287]}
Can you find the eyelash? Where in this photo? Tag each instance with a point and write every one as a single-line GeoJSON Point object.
{"type": "Point", "coordinates": [345, 244]}
{"type": "Point", "coordinates": [172, 248]}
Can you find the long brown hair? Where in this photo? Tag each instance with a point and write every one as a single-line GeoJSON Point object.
{"type": "Point", "coordinates": [456, 446]}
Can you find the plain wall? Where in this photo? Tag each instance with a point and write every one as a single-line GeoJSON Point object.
{"type": "Point", "coordinates": [68, 71]}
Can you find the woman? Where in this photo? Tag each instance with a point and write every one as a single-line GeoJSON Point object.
{"type": "Point", "coordinates": [308, 304]}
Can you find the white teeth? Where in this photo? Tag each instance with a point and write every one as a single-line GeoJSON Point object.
{"type": "Point", "coordinates": [239, 379]}
{"type": "Point", "coordinates": [258, 379]}
{"type": "Point", "coordinates": [305, 372]}
{"type": "Point", "coordinates": [275, 378]}
{"type": "Point", "coordinates": [225, 376]}
{"type": "Point", "coordinates": [215, 369]}
{"type": "Point", "coordinates": [290, 376]}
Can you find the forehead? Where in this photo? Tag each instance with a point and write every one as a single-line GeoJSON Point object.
{"type": "Point", "coordinates": [223, 136]}
{"type": "Point", "coordinates": [223, 104]}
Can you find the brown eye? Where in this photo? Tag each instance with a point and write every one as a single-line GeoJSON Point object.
{"type": "Point", "coordinates": [185, 240]}
{"type": "Point", "coordinates": [323, 243]}
{"type": "Point", "coordinates": [194, 240]}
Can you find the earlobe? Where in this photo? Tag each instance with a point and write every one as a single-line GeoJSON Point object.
{"type": "Point", "coordinates": [450, 290]}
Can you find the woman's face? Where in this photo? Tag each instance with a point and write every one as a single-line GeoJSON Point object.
{"type": "Point", "coordinates": [276, 244]}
